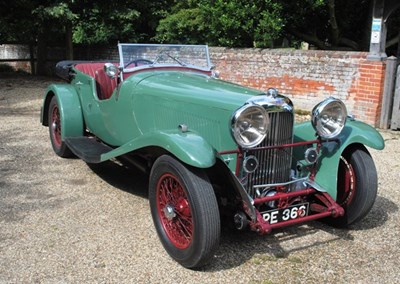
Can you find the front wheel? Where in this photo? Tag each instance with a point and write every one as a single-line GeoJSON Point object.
{"type": "Point", "coordinates": [185, 211]}
{"type": "Point", "coordinates": [55, 126]}
{"type": "Point", "coordinates": [357, 186]}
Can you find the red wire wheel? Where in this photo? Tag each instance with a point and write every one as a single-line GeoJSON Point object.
{"type": "Point", "coordinates": [185, 211]}
{"type": "Point", "coordinates": [346, 182]}
{"type": "Point", "coordinates": [356, 187]}
{"type": "Point", "coordinates": [55, 127]}
{"type": "Point", "coordinates": [174, 211]}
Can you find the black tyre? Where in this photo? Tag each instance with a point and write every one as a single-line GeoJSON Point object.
{"type": "Point", "coordinates": [185, 211]}
{"type": "Point", "coordinates": [357, 186]}
{"type": "Point", "coordinates": [55, 126]}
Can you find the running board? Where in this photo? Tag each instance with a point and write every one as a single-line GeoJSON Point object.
{"type": "Point", "coordinates": [87, 148]}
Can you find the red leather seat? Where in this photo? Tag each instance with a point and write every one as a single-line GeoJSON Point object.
{"type": "Point", "coordinates": [104, 84]}
{"type": "Point", "coordinates": [89, 68]}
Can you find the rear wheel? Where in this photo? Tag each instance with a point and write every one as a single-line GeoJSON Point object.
{"type": "Point", "coordinates": [55, 126]}
{"type": "Point", "coordinates": [185, 211]}
{"type": "Point", "coordinates": [357, 186]}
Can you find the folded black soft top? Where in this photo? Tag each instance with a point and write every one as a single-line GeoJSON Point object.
{"type": "Point", "coordinates": [63, 68]}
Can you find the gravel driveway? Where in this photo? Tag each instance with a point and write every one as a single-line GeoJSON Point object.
{"type": "Point", "coordinates": [62, 220]}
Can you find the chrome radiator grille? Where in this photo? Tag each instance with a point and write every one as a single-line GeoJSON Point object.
{"type": "Point", "coordinates": [274, 164]}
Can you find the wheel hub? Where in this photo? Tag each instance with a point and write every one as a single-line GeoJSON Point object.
{"type": "Point", "coordinates": [183, 207]}
{"type": "Point", "coordinates": [169, 212]}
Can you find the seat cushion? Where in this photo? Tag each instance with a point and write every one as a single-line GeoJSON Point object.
{"type": "Point", "coordinates": [104, 84]}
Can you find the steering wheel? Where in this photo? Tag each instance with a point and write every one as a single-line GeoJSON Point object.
{"type": "Point", "coordinates": [136, 61]}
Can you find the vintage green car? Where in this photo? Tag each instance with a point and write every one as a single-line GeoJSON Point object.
{"type": "Point", "coordinates": [215, 152]}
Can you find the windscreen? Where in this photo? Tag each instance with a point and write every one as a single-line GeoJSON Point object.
{"type": "Point", "coordinates": [136, 55]}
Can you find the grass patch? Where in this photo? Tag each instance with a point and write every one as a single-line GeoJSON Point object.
{"type": "Point", "coordinates": [295, 259]}
{"type": "Point", "coordinates": [260, 259]}
{"type": "Point", "coordinates": [302, 112]}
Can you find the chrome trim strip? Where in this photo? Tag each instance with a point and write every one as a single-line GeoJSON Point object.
{"type": "Point", "coordinates": [315, 185]}
{"type": "Point", "coordinates": [305, 179]}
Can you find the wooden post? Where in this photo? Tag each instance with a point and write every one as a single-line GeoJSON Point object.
{"type": "Point", "coordinates": [398, 49]}
{"type": "Point", "coordinates": [41, 54]}
{"type": "Point", "coordinates": [32, 58]}
{"type": "Point", "coordinates": [388, 87]}
{"type": "Point", "coordinates": [378, 33]}
{"type": "Point", "coordinates": [395, 123]}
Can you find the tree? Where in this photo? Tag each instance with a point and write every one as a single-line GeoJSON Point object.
{"type": "Point", "coordinates": [239, 23]}
{"type": "Point", "coordinates": [393, 35]}
{"type": "Point", "coordinates": [48, 22]}
{"type": "Point", "coordinates": [242, 23]}
{"type": "Point", "coordinates": [104, 22]}
{"type": "Point", "coordinates": [326, 24]}
{"type": "Point", "coordinates": [57, 14]}
{"type": "Point", "coordinates": [329, 24]}
{"type": "Point", "coordinates": [184, 26]}
{"type": "Point", "coordinates": [16, 21]}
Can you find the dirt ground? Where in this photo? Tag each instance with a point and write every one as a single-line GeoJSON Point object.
{"type": "Point", "coordinates": [63, 221]}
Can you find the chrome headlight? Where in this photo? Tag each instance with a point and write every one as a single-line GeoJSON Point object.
{"type": "Point", "coordinates": [249, 125]}
{"type": "Point", "coordinates": [111, 70]}
{"type": "Point", "coordinates": [329, 117]}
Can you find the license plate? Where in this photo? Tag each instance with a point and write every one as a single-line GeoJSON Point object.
{"type": "Point", "coordinates": [289, 213]}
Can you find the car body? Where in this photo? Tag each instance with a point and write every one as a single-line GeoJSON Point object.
{"type": "Point", "coordinates": [214, 150]}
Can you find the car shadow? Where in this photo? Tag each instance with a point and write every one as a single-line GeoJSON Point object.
{"type": "Point", "coordinates": [238, 247]}
{"type": "Point", "coordinates": [122, 176]}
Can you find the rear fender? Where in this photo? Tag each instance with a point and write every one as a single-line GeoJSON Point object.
{"type": "Point", "coordinates": [353, 134]}
{"type": "Point", "coordinates": [188, 147]}
{"type": "Point", "coordinates": [69, 106]}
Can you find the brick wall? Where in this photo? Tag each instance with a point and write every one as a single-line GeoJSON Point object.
{"type": "Point", "coordinates": [16, 51]}
{"type": "Point", "coordinates": [308, 77]}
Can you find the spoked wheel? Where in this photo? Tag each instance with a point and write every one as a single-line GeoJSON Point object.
{"type": "Point", "coordinates": [185, 211]}
{"type": "Point", "coordinates": [59, 147]}
{"type": "Point", "coordinates": [174, 211]}
{"type": "Point", "coordinates": [357, 186]}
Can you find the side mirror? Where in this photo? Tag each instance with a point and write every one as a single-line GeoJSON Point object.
{"type": "Point", "coordinates": [111, 70]}
{"type": "Point", "coordinates": [214, 71]}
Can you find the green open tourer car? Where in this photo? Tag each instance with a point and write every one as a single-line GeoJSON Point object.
{"type": "Point", "coordinates": [214, 151]}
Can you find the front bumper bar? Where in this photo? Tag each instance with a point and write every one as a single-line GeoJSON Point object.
{"type": "Point", "coordinates": [329, 209]}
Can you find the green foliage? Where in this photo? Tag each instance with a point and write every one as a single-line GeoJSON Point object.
{"type": "Point", "coordinates": [327, 24]}
{"type": "Point", "coordinates": [16, 22]}
{"type": "Point", "coordinates": [239, 23]}
{"type": "Point", "coordinates": [184, 26]}
{"type": "Point", "coordinates": [58, 11]}
{"type": "Point", "coordinates": [311, 21]}
{"type": "Point", "coordinates": [269, 28]}
{"type": "Point", "coordinates": [97, 25]}
{"type": "Point", "coordinates": [93, 22]}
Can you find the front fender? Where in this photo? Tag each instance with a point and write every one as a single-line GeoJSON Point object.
{"type": "Point", "coordinates": [188, 147]}
{"type": "Point", "coordinates": [355, 132]}
{"type": "Point", "coordinates": [69, 107]}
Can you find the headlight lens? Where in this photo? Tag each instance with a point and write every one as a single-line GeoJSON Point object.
{"type": "Point", "coordinates": [111, 70]}
{"type": "Point", "coordinates": [329, 117]}
{"type": "Point", "coordinates": [249, 125]}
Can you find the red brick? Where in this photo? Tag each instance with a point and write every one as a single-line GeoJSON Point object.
{"type": "Point", "coordinates": [309, 75]}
